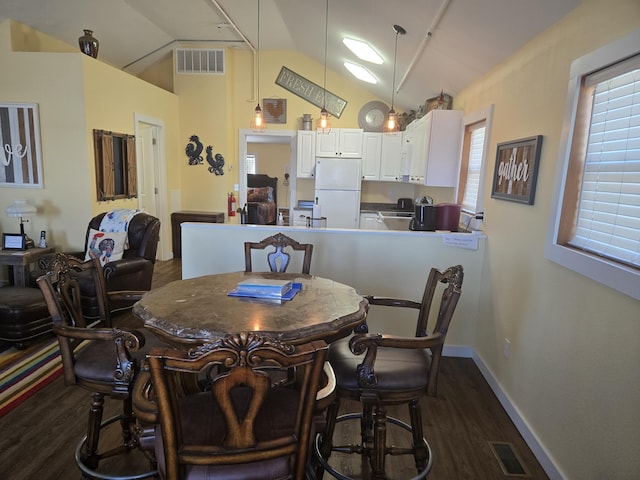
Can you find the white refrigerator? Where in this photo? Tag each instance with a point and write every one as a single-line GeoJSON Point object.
{"type": "Point", "coordinates": [337, 189]}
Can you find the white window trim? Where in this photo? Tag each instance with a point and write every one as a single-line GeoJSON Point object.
{"type": "Point", "coordinates": [485, 114]}
{"type": "Point", "coordinates": [619, 277]}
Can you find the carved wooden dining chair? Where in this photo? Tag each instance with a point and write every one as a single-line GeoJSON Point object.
{"type": "Point", "coordinates": [278, 259]}
{"type": "Point", "coordinates": [242, 426]}
{"type": "Point", "coordinates": [394, 370]}
{"type": "Point", "coordinates": [103, 360]}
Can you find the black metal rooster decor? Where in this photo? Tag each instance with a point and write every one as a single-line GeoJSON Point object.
{"type": "Point", "coordinates": [215, 162]}
{"type": "Point", "coordinates": [194, 150]}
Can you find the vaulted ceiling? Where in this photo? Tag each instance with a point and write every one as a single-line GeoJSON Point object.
{"type": "Point", "coordinates": [448, 44]}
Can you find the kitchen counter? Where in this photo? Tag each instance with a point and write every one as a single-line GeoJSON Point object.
{"type": "Point", "coordinates": [372, 207]}
{"type": "Point", "coordinates": [386, 263]}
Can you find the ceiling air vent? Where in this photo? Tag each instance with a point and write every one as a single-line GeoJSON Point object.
{"type": "Point", "coordinates": [202, 61]}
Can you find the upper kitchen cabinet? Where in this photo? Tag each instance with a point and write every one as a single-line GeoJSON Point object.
{"type": "Point", "coordinates": [432, 148]}
{"type": "Point", "coordinates": [391, 153]}
{"type": "Point", "coordinates": [381, 154]}
{"type": "Point", "coordinates": [340, 142]}
{"type": "Point", "coordinates": [371, 155]}
{"type": "Point", "coordinates": [306, 153]}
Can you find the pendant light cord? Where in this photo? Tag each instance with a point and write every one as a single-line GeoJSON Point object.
{"type": "Point", "coordinates": [399, 30]}
{"type": "Point", "coordinates": [258, 84]}
{"type": "Point", "coordinates": [395, 61]}
{"type": "Point", "coordinates": [326, 34]}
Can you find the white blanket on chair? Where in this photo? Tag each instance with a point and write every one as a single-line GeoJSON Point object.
{"type": "Point", "coordinates": [118, 221]}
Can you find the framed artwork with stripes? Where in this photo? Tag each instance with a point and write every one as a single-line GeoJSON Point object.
{"type": "Point", "coordinates": [20, 156]}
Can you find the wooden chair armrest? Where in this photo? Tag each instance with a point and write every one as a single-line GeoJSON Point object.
{"type": "Point", "coordinates": [392, 302]}
{"type": "Point", "coordinates": [132, 340]}
{"type": "Point", "coordinates": [125, 295]}
{"type": "Point", "coordinates": [125, 342]}
{"type": "Point", "coordinates": [370, 342]}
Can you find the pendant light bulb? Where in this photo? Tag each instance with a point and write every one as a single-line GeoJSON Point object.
{"type": "Point", "coordinates": [323, 121]}
{"type": "Point", "coordinates": [257, 121]}
{"type": "Point", "coordinates": [391, 125]}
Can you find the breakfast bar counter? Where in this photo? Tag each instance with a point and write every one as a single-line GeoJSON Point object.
{"type": "Point", "coordinates": [376, 262]}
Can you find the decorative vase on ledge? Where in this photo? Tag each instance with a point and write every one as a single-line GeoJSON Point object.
{"type": "Point", "coordinates": [89, 44]}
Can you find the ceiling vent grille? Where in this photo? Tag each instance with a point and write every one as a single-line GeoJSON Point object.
{"type": "Point", "coordinates": [201, 61]}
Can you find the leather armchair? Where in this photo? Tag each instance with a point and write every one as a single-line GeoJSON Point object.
{"type": "Point", "coordinates": [134, 271]}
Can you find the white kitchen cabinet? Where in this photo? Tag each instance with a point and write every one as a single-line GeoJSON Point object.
{"type": "Point", "coordinates": [298, 217]}
{"type": "Point", "coordinates": [371, 155]}
{"type": "Point", "coordinates": [370, 221]}
{"type": "Point", "coordinates": [339, 142]}
{"type": "Point", "coordinates": [432, 148]}
{"type": "Point", "coordinates": [390, 156]}
{"type": "Point", "coordinates": [306, 153]}
{"type": "Point", "coordinates": [417, 158]}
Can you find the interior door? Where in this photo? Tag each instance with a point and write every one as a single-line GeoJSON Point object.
{"type": "Point", "coordinates": [147, 178]}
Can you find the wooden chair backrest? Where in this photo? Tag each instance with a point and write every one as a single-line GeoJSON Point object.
{"type": "Point", "coordinates": [244, 359]}
{"type": "Point", "coordinates": [61, 290]}
{"type": "Point", "coordinates": [449, 282]}
{"type": "Point", "coordinates": [278, 259]}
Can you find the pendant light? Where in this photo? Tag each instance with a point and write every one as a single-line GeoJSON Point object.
{"type": "Point", "coordinates": [391, 125]}
{"type": "Point", "coordinates": [257, 122]}
{"type": "Point", "coordinates": [323, 121]}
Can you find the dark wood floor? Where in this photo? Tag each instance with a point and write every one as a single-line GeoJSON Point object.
{"type": "Point", "coordinates": [38, 438]}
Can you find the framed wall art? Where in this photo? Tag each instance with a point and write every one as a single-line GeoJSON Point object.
{"type": "Point", "coordinates": [20, 145]}
{"type": "Point", "coordinates": [516, 170]}
{"type": "Point", "coordinates": [274, 110]}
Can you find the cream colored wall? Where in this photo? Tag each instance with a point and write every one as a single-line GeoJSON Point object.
{"type": "Point", "coordinates": [573, 369]}
{"type": "Point", "coordinates": [216, 107]}
{"type": "Point", "coordinates": [64, 203]}
{"type": "Point", "coordinates": [75, 94]}
{"type": "Point", "coordinates": [112, 100]}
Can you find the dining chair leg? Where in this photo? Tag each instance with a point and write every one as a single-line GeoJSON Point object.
{"type": "Point", "coordinates": [379, 442]}
{"type": "Point", "coordinates": [326, 437]}
{"type": "Point", "coordinates": [93, 430]}
{"type": "Point", "coordinates": [421, 451]}
{"type": "Point", "coordinates": [127, 423]}
{"type": "Point", "coordinates": [366, 423]}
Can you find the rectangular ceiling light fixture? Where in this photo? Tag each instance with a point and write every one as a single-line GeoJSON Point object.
{"type": "Point", "coordinates": [361, 73]}
{"type": "Point", "coordinates": [363, 50]}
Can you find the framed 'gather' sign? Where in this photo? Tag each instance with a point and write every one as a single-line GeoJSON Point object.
{"type": "Point", "coordinates": [21, 164]}
{"type": "Point", "coordinates": [516, 170]}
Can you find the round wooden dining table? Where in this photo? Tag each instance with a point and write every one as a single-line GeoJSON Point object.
{"type": "Point", "coordinates": [199, 310]}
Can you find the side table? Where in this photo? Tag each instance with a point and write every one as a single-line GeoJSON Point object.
{"type": "Point", "coordinates": [189, 216]}
{"type": "Point", "coordinates": [21, 260]}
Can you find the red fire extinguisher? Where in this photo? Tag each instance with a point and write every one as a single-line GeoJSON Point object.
{"type": "Point", "coordinates": [231, 203]}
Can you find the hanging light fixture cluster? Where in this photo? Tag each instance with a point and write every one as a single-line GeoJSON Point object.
{"type": "Point", "coordinates": [257, 122]}
{"type": "Point", "coordinates": [323, 121]}
{"type": "Point", "coordinates": [391, 125]}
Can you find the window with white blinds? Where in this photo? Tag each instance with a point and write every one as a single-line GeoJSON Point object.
{"type": "Point", "coordinates": [474, 166]}
{"type": "Point", "coordinates": [608, 216]}
{"type": "Point", "coordinates": [250, 164]}
{"type": "Point", "coordinates": [594, 225]}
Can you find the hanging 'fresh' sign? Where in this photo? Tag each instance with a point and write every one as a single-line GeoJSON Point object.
{"type": "Point", "coordinates": [311, 92]}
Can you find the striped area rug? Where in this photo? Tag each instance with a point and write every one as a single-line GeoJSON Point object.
{"type": "Point", "coordinates": [25, 372]}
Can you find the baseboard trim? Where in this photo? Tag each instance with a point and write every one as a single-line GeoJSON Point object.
{"type": "Point", "coordinates": [520, 423]}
